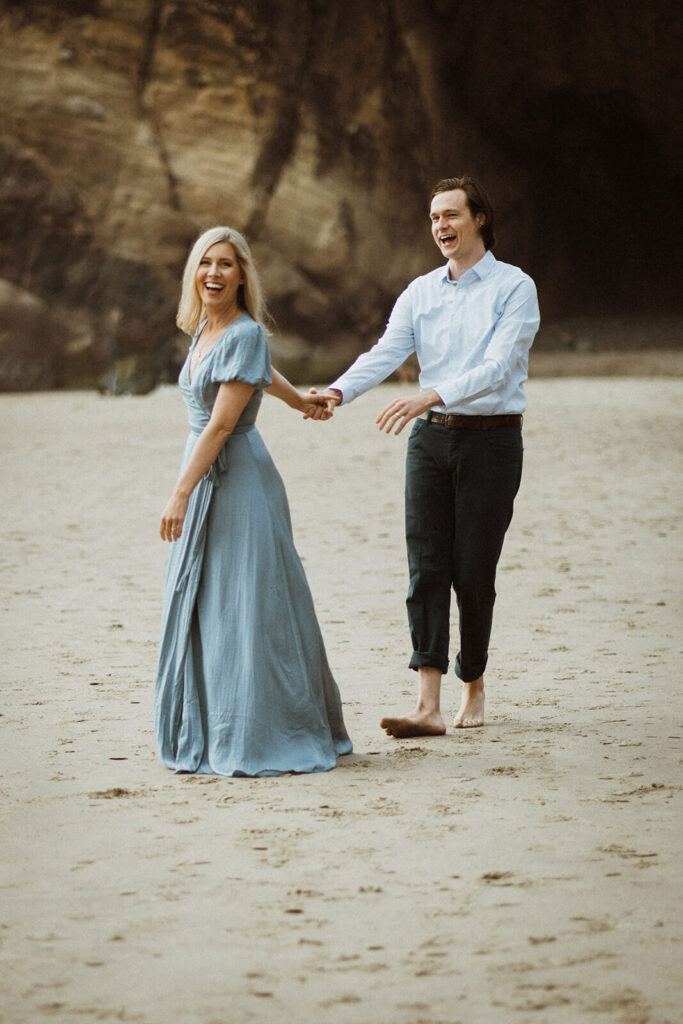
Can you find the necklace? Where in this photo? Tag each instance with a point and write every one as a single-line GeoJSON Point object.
{"type": "Point", "coordinates": [202, 349]}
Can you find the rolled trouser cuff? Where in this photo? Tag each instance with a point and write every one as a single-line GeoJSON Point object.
{"type": "Point", "coordinates": [430, 659]}
{"type": "Point", "coordinates": [468, 673]}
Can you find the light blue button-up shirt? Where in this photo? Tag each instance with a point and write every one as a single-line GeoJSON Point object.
{"type": "Point", "coordinates": [472, 338]}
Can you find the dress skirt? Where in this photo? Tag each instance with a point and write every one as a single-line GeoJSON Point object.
{"type": "Point", "coordinates": [244, 686]}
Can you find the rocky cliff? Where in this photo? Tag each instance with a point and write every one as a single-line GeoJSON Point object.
{"type": "Point", "coordinates": [317, 128]}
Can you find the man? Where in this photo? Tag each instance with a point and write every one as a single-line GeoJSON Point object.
{"type": "Point", "coordinates": [471, 324]}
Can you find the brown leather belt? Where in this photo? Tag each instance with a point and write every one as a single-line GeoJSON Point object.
{"type": "Point", "coordinates": [456, 421]}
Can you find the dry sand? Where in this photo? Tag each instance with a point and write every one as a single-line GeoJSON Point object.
{"type": "Point", "coordinates": [526, 872]}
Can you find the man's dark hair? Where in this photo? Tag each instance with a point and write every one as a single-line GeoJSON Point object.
{"type": "Point", "coordinates": [477, 202]}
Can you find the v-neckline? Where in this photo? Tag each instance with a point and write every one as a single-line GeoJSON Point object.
{"type": "Point", "coordinates": [190, 375]}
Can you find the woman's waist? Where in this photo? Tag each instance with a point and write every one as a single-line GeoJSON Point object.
{"type": "Point", "coordinates": [240, 428]}
{"type": "Point", "coordinates": [220, 463]}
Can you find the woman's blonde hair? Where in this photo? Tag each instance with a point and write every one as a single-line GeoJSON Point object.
{"type": "Point", "coordinates": [191, 310]}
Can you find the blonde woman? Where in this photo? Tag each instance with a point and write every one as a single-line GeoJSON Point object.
{"type": "Point", "coordinates": [243, 684]}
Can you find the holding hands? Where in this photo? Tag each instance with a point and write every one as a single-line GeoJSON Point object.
{"type": "Point", "coordinates": [316, 405]}
{"type": "Point", "coordinates": [324, 404]}
{"type": "Point", "coordinates": [393, 418]}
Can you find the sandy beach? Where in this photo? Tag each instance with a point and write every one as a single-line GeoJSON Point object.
{"type": "Point", "coordinates": [530, 871]}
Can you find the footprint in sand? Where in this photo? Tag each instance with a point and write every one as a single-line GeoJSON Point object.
{"type": "Point", "coordinates": [112, 794]}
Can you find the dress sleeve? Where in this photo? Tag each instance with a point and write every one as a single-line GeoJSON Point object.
{"type": "Point", "coordinates": [242, 354]}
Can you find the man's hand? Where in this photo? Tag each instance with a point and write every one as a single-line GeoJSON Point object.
{"type": "Point", "coordinates": [325, 409]}
{"type": "Point", "coordinates": [402, 410]}
{"type": "Point", "coordinates": [315, 406]}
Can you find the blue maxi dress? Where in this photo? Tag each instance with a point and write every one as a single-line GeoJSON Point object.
{"type": "Point", "coordinates": [243, 684]}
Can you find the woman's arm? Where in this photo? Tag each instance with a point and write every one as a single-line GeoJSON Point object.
{"type": "Point", "coordinates": [230, 401]}
{"type": "Point", "coordinates": [282, 389]}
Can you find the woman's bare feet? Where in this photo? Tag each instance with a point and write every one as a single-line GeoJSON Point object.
{"type": "Point", "coordinates": [471, 713]}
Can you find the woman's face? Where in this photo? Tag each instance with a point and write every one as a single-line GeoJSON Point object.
{"type": "Point", "coordinates": [218, 278]}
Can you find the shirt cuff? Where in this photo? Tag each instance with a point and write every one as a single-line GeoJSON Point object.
{"type": "Point", "coordinates": [449, 396]}
{"type": "Point", "coordinates": [335, 387]}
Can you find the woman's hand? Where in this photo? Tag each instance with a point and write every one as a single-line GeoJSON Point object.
{"type": "Point", "coordinates": [325, 402]}
{"type": "Point", "coordinates": [173, 517]}
{"type": "Point", "coordinates": [313, 405]}
{"type": "Point", "coordinates": [316, 406]}
{"type": "Point", "coordinates": [230, 402]}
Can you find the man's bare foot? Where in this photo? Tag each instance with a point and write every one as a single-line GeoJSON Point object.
{"type": "Point", "coordinates": [471, 713]}
{"type": "Point", "coordinates": [417, 724]}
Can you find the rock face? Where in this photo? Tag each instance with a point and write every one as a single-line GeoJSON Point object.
{"type": "Point", "coordinates": [30, 341]}
{"type": "Point", "coordinates": [318, 129]}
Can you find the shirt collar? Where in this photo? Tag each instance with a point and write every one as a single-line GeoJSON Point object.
{"type": "Point", "coordinates": [482, 269]}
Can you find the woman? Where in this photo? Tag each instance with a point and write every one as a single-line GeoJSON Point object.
{"type": "Point", "coordinates": [243, 685]}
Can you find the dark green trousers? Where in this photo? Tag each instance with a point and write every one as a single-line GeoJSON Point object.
{"type": "Point", "coordinates": [460, 489]}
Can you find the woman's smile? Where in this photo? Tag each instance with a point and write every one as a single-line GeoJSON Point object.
{"type": "Point", "coordinates": [219, 277]}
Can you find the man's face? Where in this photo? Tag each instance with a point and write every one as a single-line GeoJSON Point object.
{"type": "Point", "coordinates": [454, 229]}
